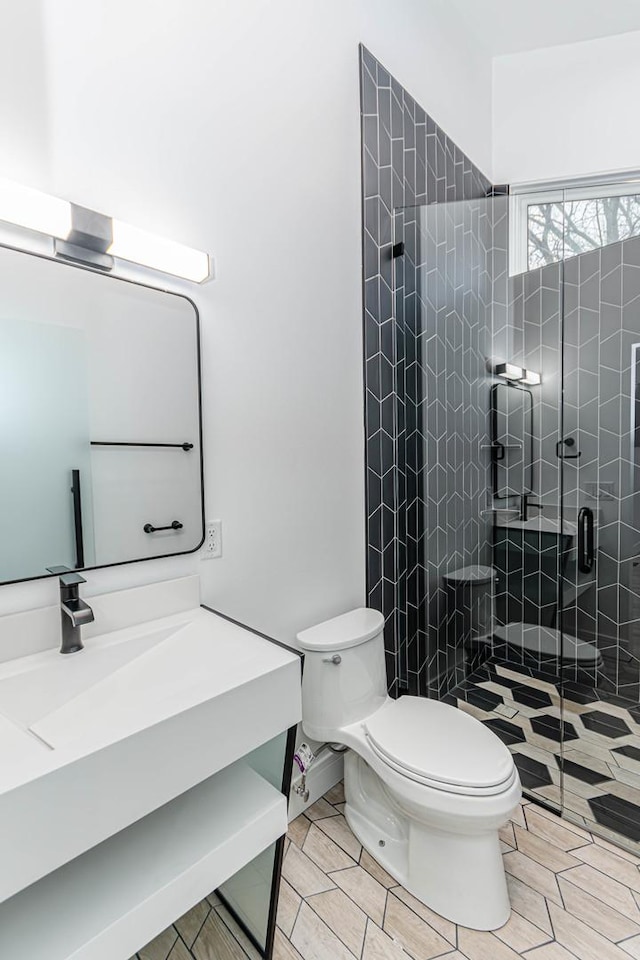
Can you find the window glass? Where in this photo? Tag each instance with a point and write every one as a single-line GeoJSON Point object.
{"type": "Point", "coordinates": [565, 229]}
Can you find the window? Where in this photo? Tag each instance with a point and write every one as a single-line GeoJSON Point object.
{"type": "Point", "coordinates": [551, 225]}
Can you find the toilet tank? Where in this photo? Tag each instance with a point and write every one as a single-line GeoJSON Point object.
{"type": "Point", "coordinates": [344, 677]}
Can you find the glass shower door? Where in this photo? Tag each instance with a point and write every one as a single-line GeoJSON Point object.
{"type": "Point", "coordinates": [478, 478]}
{"type": "Point", "coordinates": [516, 411]}
{"type": "Point", "coordinates": [601, 504]}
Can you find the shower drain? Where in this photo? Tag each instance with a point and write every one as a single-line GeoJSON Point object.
{"type": "Point", "coordinates": [506, 711]}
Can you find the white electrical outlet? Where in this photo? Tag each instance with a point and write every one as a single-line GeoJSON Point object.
{"type": "Point", "coordinates": [212, 546]}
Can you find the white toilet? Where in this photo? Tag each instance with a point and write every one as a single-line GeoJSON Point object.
{"type": "Point", "coordinates": [427, 786]}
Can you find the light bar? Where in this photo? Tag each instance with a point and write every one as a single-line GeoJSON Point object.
{"type": "Point", "coordinates": [531, 378]}
{"type": "Point", "coordinates": [86, 236]}
{"type": "Point", "coordinates": [34, 210]}
{"type": "Point", "coordinates": [138, 246]}
{"type": "Point", "coordinates": [509, 371]}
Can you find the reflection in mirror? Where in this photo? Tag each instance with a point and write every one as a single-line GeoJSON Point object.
{"type": "Point", "coordinates": [511, 440]}
{"type": "Point", "coordinates": [99, 391]}
{"type": "Point", "coordinates": [635, 407]}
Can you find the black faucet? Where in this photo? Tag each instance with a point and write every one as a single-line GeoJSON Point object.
{"type": "Point", "coordinates": [74, 612]}
{"type": "Point", "coordinates": [525, 506]}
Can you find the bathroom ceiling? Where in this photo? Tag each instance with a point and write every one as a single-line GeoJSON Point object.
{"type": "Point", "coordinates": [512, 26]}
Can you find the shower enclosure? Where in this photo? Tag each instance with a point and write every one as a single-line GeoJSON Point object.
{"type": "Point", "coordinates": [517, 344]}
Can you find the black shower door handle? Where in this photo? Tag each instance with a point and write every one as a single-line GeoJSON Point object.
{"type": "Point", "coordinates": [585, 540]}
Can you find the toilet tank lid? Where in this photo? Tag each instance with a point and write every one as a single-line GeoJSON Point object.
{"type": "Point", "coordinates": [347, 630]}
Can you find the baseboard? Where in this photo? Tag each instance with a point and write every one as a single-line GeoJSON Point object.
{"type": "Point", "coordinates": [324, 774]}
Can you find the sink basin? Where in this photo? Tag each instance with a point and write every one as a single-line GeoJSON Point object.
{"type": "Point", "coordinates": [33, 687]}
{"type": "Point", "coordinates": [93, 742]}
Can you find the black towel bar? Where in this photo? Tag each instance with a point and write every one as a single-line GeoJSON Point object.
{"type": "Point", "coordinates": [125, 443]}
{"type": "Point", "coordinates": [174, 525]}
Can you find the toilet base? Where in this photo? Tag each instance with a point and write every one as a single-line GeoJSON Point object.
{"type": "Point", "coordinates": [458, 875]}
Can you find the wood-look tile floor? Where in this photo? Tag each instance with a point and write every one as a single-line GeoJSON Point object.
{"type": "Point", "coordinates": [573, 895]}
{"type": "Point", "coordinates": [206, 932]}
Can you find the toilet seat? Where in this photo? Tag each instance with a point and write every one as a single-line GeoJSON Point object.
{"type": "Point", "coordinates": [440, 746]}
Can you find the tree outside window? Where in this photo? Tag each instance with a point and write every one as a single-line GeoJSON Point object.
{"type": "Point", "coordinates": [558, 230]}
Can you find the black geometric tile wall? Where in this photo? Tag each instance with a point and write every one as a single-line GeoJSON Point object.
{"type": "Point", "coordinates": [599, 294]}
{"type": "Point", "coordinates": [422, 376]}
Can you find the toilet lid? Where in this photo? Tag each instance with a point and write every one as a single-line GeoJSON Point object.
{"type": "Point", "coordinates": [433, 741]}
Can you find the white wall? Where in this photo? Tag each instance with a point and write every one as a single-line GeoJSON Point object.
{"type": "Point", "coordinates": [233, 125]}
{"type": "Point", "coordinates": [567, 111]}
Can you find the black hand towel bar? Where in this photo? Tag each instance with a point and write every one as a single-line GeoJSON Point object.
{"type": "Point", "coordinates": [126, 443]}
{"type": "Point", "coordinates": [174, 525]}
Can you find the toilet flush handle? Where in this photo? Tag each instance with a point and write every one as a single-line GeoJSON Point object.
{"type": "Point", "coordinates": [336, 659]}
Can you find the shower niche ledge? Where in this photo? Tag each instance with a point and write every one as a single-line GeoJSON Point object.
{"type": "Point", "coordinates": [128, 788]}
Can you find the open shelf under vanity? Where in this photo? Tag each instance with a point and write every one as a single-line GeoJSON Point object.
{"type": "Point", "coordinates": [115, 897]}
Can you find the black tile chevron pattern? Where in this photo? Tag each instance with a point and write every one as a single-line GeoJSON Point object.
{"type": "Point", "coordinates": [598, 294]}
{"type": "Point", "coordinates": [422, 367]}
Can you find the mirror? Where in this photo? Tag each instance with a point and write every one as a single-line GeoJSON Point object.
{"type": "Point", "coordinates": [99, 419]}
{"type": "Point", "coordinates": [511, 440]}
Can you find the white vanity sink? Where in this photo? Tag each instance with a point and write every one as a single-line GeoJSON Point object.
{"type": "Point", "coordinates": [108, 739]}
{"type": "Point", "coordinates": [33, 687]}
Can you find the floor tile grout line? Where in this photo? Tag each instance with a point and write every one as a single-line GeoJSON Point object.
{"type": "Point", "coordinates": [231, 933]}
{"type": "Point", "coordinates": [601, 872]}
{"type": "Point", "coordinates": [184, 942]}
{"type": "Point", "coordinates": [302, 900]}
{"type": "Point", "coordinates": [201, 925]}
{"type": "Point", "coordinates": [384, 909]}
{"type": "Point", "coordinates": [335, 932]}
{"type": "Point", "coordinates": [604, 902]}
{"type": "Point", "coordinates": [552, 843]}
{"type": "Point", "coordinates": [626, 940]}
{"type": "Point", "coordinates": [528, 920]}
{"type": "Point", "coordinates": [329, 876]}
{"type": "Point", "coordinates": [391, 890]}
{"type": "Point", "coordinates": [529, 953]}
{"type": "Point", "coordinates": [338, 842]}
{"type": "Point", "coordinates": [546, 906]}
{"type": "Point", "coordinates": [564, 824]}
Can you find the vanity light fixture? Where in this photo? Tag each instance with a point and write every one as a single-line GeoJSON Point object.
{"type": "Point", "coordinates": [516, 374]}
{"type": "Point", "coordinates": [34, 210]}
{"type": "Point", "coordinates": [509, 371]}
{"type": "Point", "coordinates": [86, 236]}
{"type": "Point", "coordinates": [138, 246]}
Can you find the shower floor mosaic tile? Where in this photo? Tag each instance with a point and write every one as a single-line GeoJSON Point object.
{"type": "Point", "coordinates": [574, 897]}
{"type": "Point", "coordinates": [597, 741]}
